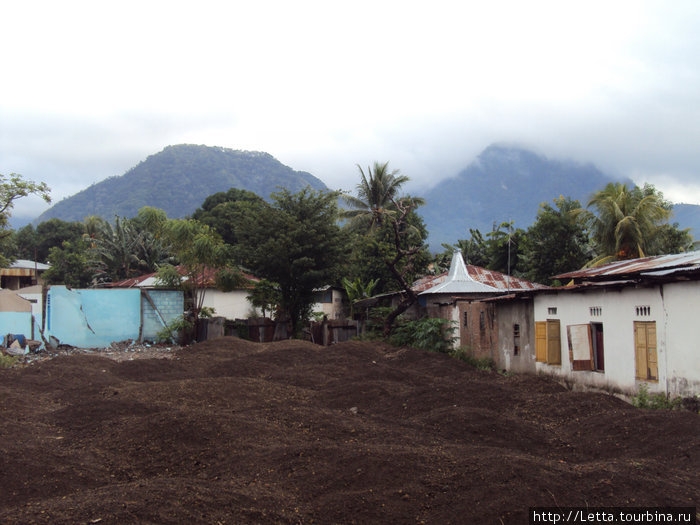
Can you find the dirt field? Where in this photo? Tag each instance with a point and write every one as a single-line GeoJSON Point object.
{"type": "Point", "coordinates": [234, 432]}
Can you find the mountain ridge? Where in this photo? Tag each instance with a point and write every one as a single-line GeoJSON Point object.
{"type": "Point", "coordinates": [178, 179]}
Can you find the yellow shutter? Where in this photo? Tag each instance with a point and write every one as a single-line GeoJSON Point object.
{"type": "Point", "coordinates": [541, 341]}
{"type": "Point", "coordinates": [646, 363]}
{"type": "Point", "coordinates": [652, 364]}
{"type": "Point", "coordinates": [553, 342]}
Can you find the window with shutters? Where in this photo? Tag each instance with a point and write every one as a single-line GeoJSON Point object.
{"type": "Point", "coordinates": [516, 339]}
{"type": "Point", "coordinates": [646, 364]}
{"type": "Point", "coordinates": [548, 341]}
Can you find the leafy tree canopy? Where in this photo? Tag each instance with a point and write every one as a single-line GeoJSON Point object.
{"type": "Point", "coordinates": [294, 242]}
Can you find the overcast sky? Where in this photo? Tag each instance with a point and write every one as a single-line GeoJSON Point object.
{"type": "Point", "coordinates": [89, 89]}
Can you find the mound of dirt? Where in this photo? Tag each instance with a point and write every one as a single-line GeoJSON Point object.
{"type": "Point", "coordinates": [229, 431]}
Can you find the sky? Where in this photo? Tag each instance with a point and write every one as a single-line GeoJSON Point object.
{"type": "Point", "coordinates": [89, 89]}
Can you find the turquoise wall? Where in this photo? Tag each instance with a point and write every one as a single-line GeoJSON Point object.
{"type": "Point", "coordinates": [16, 323]}
{"type": "Point", "coordinates": [93, 318]}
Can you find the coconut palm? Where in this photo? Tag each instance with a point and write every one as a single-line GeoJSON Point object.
{"type": "Point", "coordinates": [624, 221]}
{"type": "Point", "coordinates": [376, 194]}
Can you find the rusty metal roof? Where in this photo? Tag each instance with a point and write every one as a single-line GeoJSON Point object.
{"type": "Point", "coordinates": [207, 280]}
{"type": "Point", "coordinates": [660, 265]}
{"type": "Point", "coordinates": [491, 278]}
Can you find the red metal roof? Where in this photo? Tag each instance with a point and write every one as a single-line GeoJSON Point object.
{"type": "Point", "coordinates": [482, 275]}
{"type": "Point", "coordinates": [207, 279]}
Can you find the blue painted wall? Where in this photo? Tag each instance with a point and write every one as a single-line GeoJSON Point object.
{"type": "Point", "coordinates": [16, 323]}
{"type": "Point", "coordinates": [93, 318]}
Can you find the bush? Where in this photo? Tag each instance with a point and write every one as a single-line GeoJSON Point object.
{"type": "Point", "coordinates": [432, 334]}
{"type": "Point", "coordinates": [7, 361]}
{"type": "Point", "coordinates": [658, 401]}
{"type": "Point", "coordinates": [482, 363]}
{"type": "Point", "coordinates": [175, 328]}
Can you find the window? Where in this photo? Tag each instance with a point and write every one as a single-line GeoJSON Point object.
{"type": "Point", "coordinates": [552, 310]}
{"type": "Point", "coordinates": [581, 354]}
{"type": "Point", "coordinates": [643, 311]}
{"type": "Point", "coordinates": [598, 354]}
{"type": "Point", "coordinates": [516, 339]}
{"type": "Point", "coordinates": [596, 311]}
{"type": "Point", "coordinates": [548, 342]}
{"type": "Point", "coordinates": [466, 320]}
{"type": "Point", "coordinates": [482, 321]}
{"type": "Point", "coordinates": [646, 365]}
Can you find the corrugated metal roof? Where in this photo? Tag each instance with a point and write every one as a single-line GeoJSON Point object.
{"type": "Point", "coordinates": [207, 280]}
{"type": "Point", "coordinates": [458, 281]}
{"type": "Point", "coordinates": [490, 278]}
{"type": "Point", "coordinates": [659, 265]}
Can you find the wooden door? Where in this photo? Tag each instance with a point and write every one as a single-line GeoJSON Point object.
{"type": "Point", "coordinates": [646, 362]}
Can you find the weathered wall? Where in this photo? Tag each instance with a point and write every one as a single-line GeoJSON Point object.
{"type": "Point", "coordinates": [681, 305]}
{"type": "Point", "coordinates": [170, 305]}
{"type": "Point", "coordinates": [477, 329]}
{"type": "Point", "coordinates": [16, 323]}
{"type": "Point", "coordinates": [673, 307]}
{"type": "Point", "coordinates": [508, 314]}
{"type": "Point", "coordinates": [231, 305]}
{"type": "Point", "coordinates": [93, 318]}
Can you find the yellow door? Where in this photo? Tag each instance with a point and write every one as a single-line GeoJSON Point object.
{"type": "Point", "coordinates": [646, 362]}
{"type": "Point", "coordinates": [541, 341]}
{"type": "Point", "coordinates": [553, 342]}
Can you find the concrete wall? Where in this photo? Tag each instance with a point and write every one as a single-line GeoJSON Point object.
{"type": "Point", "coordinates": [682, 303]}
{"type": "Point", "coordinates": [673, 307]}
{"type": "Point", "coordinates": [15, 323]}
{"type": "Point", "coordinates": [93, 318]}
{"type": "Point", "coordinates": [508, 314]}
{"type": "Point", "coordinates": [170, 305]}
{"type": "Point", "coordinates": [231, 305]}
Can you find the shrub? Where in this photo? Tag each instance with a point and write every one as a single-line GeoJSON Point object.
{"type": "Point", "coordinates": [658, 401]}
{"type": "Point", "coordinates": [481, 363]}
{"type": "Point", "coordinates": [432, 334]}
{"type": "Point", "coordinates": [7, 361]}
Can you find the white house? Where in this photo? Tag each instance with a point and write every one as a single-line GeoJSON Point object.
{"type": "Point", "coordinates": [623, 325]}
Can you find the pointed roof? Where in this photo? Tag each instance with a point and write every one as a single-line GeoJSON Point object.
{"type": "Point", "coordinates": [459, 281]}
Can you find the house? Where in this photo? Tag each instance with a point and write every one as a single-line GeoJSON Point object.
{"type": "Point", "coordinates": [624, 325]}
{"type": "Point", "coordinates": [462, 296]}
{"type": "Point", "coordinates": [15, 315]}
{"type": "Point", "coordinates": [329, 302]}
{"type": "Point", "coordinates": [231, 305]}
{"type": "Point", "coordinates": [22, 273]}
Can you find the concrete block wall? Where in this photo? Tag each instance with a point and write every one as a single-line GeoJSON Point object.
{"type": "Point", "coordinates": [170, 304]}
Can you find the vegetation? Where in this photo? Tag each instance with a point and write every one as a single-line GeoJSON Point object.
{"type": "Point", "coordinates": [657, 401]}
{"type": "Point", "coordinates": [13, 187]}
{"type": "Point", "coordinates": [481, 363]}
{"type": "Point", "coordinates": [628, 222]}
{"type": "Point", "coordinates": [433, 334]}
{"type": "Point", "coordinates": [294, 242]}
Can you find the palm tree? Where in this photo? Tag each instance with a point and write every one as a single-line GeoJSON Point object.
{"type": "Point", "coordinates": [624, 221]}
{"type": "Point", "coordinates": [376, 194]}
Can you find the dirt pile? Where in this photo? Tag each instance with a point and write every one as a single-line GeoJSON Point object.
{"type": "Point", "coordinates": [236, 432]}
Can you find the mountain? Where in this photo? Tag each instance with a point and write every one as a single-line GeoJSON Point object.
{"type": "Point", "coordinates": [687, 216]}
{"type": "Point", "coordinates": [178, 179]}
{"type": "Point", "coordinates": [503, 184]}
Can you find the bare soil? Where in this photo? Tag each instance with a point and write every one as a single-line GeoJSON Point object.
{"type": "Point", "coordinates": [233, 432]}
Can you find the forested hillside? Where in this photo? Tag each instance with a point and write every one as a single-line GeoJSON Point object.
{"type": "Point", "coordinates": [178, 179]}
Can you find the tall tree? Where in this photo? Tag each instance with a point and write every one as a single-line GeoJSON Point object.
{"type": "Point", "coordinates": [13, 187]}
{"type": "Point", "coordinates": [624, 220]}
{"type": "Point", "coordinates": [556, 243]}
{"type": "Point", "coordinates": [294, 242]}
{"type": "Point", "coordinates": [219, 210]}
{"type": "Point", "coordinates": [376, 192]}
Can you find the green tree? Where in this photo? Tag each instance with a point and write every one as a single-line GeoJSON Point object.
{"type": "Point", "coordinates": [219, 211]}
{"type": "Point", "coordinates": [294, 242]}
{"type": "Point", "coordinates": [556, 242]}
{"type": "Point", "coordinates": [375, 196]}
{"type": "Point", "coordinates": [265, 295]}
{"type": "Point", "coordinates": [13, 187]}
{"type": "Point", "coordinates": [199, 250]}
{"type": "Point", "coordinates": [69, 265]}
{"type": "Point", "coordinates": [624, 220]}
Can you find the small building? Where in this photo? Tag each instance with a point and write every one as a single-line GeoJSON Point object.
{"type": "Point", "coordinates": [624, 325]}
{"type": "Point", "coordinates": [329, 302]}
{"type": "Point", "coordinates": [22, 273]}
